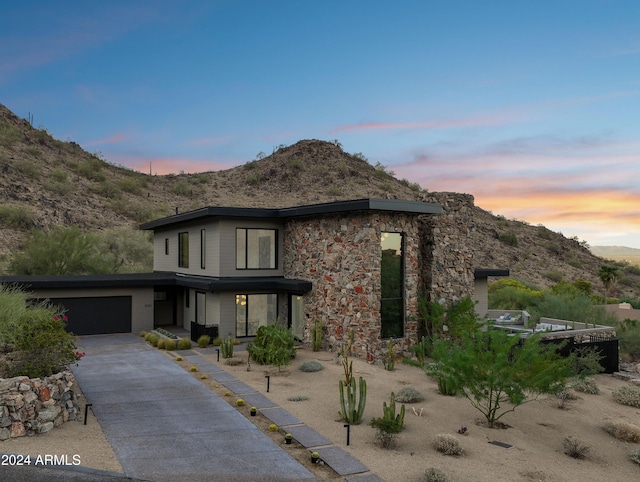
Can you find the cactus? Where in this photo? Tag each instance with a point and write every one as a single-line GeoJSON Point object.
{"type": "Point", "coordinates": [226, 347]}
{"type": "Point", "coordinates": [316, 335]}
{"type": "Point", "coordinates": [390, 360]}
{"type": "Point", "coordinates": [389, 413]}
{"type": "Point", "coordinates": [352, 408]}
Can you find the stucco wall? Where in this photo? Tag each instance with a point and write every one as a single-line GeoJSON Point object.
{"type": "Point", "coordinates": [341, 254]}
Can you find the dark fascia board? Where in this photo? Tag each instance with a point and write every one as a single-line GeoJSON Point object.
{"type": "Point", "coordinates": [91, 281]}
{"type": "Point", "coordinates": [388, 205]}
{"type": "Point", "coordinates": [159, 278]}
{"type": "Point", "coordinates": [485, 273]}
{"type": "Point", "coordinates": [244, 284]}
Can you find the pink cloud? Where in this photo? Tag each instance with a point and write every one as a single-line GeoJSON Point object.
{"type": "Point", "coordinates": [114, 139]}
{"type": "Point", "coordinates": [438, 124]}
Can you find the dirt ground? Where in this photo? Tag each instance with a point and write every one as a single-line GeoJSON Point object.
{"type": "Point", "coordinates": [536, 429]}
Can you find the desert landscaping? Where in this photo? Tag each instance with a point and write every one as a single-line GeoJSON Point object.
{"type": "Point", "coordinates": [536, 430]}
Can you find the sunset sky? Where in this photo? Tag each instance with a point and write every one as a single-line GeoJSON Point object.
{"type": "Point", "coordinates": [532, 107]}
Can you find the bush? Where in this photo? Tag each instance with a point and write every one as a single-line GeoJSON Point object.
{"type": "Point", "coordinates": [298, 398]}
{"type": "Point", "coordinates": [16, 216]}
{"type": "Point", "coordinates": [272, 346]}
{"type": "Point", "coordinates": [217, 341]}
{"type": "Point", "coordinates": [161, 343]}
{"type": "Point", "coordinates": [169, 345]}
{"type": "Point", "coordinates": [184, 344]}
{"type": "Point", "coordinates": [153, 339]}
{"type": "Point", "coordinates": [585, 385]}
{"type": "Point", "coordinates": [635, 456]}
{"type": "Point", "coordinates": [627, 395]}
{"type": "Point", "coordinates": [575, 448]}
{"type": "Point", "coordinates": [447, 444]}
{"type": "Point", "coordinates": [409, 395]}
{"type": "Point", "coordinates": [433, 474]}
{"type": "Point", "coordinates": [624, 431]}
{"type": "Point", "coordinates": [509, 238]}
{"type": "Point", "coordinates": [311, 366]}
{"type": "Point", "coordinates": [204, 341]}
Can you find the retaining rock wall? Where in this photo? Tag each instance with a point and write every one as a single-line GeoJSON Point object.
{"type": "Point", "coordinates": [36, 405]}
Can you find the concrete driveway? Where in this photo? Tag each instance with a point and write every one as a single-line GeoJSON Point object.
{"type": "Point", "coordinates": [164, 425]}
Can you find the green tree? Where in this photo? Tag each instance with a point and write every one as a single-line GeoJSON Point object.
{"type": "Point", "coordinates": [63, 251]}
{"type": "Point", "coordinates": [608, 275]}
{"type": "Point", "coordinates": [493, 368]}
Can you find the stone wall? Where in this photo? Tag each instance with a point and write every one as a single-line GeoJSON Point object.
{"type": "Point", "coordinates": [447, 256]}
{"type": "Point", "coordinates": [341, 255]}
{"type": "Point", "coordinates": [31, 406]}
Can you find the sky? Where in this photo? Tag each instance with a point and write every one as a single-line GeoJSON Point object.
{"type": "Point", "coordinates": [532, 107]}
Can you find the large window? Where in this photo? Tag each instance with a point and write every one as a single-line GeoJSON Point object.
{"type": "Point", "coordinates": [253, 311]}
{"type": "Point", "coordinates": [256, 248]}
{"type": "Point", "coordinates": [183, 250]}
{"type": "Point", "coordinates": [392, 281]}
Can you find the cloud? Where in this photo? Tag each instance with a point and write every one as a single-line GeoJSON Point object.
{"type": "Point", "coordinates": [436, 124]}
{"type": "Point", "coordinates": [115, 139]}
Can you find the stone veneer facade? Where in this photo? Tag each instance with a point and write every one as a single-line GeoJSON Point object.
{"type": "Point", "coordinates": [341, 255]}
{"type": "Point", "coordinates": [36, 405]}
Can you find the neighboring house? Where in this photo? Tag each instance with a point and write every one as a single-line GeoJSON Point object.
{"type": "Point", "coordinates": [356, 265]}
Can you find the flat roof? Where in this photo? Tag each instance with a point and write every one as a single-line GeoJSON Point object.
{"type": "Point", "coordinates": [159, 278]}
{"type": "Point", "coordinates": [485, 273]}
{"type": "Point", "coordinates": [367, 204]}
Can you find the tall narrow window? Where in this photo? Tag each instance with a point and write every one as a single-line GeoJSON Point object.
{"type": "Point", "coordinates": [203, 248]}
{"type": "Point", "coordinates": [296, 315]}
{"type": "Point", "coordinates": [392, 281]}
{"type": "Point", "coordinates": [166, 245]}
{"type": "Point", "coordinates": [183, 250]}
{"type": "Point", "coordinates": [256, 248]}
{"type": "Point", "coordinates": [254, 311]}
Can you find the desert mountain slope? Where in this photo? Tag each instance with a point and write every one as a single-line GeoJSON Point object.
{"type": "Point", "coordinates": [46, 182]}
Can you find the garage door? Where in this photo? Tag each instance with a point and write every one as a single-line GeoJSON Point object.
{"type": "Point", "coordinates": [96, 315]}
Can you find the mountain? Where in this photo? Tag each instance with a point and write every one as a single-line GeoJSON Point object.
{"type": "Point", "coordinates": [47, 182]}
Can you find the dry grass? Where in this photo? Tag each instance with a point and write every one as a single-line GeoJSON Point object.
{"type": "Point", "coordinates": [624, 431]}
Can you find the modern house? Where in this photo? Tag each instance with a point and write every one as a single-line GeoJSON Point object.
{"type": "Point", "coordinates": [356, 265]}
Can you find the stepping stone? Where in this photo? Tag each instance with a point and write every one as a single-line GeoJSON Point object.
{"type": "Point", "coordinates": [239, 388]}
{"type": "Point", "coordinates": [280, 416]}
{"type": "Point", "coordinates": [258, 400]}
{"type": "Point", "coordinates": [307, 437]}
{"type": "Point", "coordinates": [222, 376]}
{"type": "Point", "coordinates": [340, 461]}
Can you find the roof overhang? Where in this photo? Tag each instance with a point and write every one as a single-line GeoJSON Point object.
{"type": "Point", "coordinates": [159, 279]}
{"type": "Point", "coordinates": [369, 204]}
{"type": "Point", "coordinates": [486, 273]}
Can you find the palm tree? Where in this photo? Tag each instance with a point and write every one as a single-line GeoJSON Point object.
{"type": "Point", "coordinates": [608, 275]}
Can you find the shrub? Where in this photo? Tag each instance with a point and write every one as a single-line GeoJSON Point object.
{"type": "Point", "coordinates": [147, 336]}
{"type": "Point", "coordinates": [169, 345]}
{"type": "Point", "coordinates": [272, 346]}
{"type": "Point", "coordinates": [409, 395]}
{"type": "Point", "coordinates": [447, 386]}
{"type": "Point", "coordinates": [563, 396]}
{"type": "Point", "coordinates": [217, 341]}
{"type": "Point", "coordinates": [389, 424]}
{"type": "Point", "coordinates": [16, 216]}
{"type": "Point", "coordinates": [575, 448]}
{"type": "Point", "coordinates": [193, 369]}
{"type": "Point", "coordinates": [153, 339]}
{"type": "Point", "coordinates": [298, 398]}
{"type": "Point", "coordinates": [204, 341]}
{"type": "Point", "coordinates": [143, 334]}
{"type": "Point", "coordinates": [311, 366]}
{"type": "Point", "coordinates": [447, 444]}
{"type": "Point", "coordinates": [627, 395]}
{"type": "Point", "coordinates": [161, 344]}
{"type": "Point", "coordinates": [433, 474]}
{"type": "Point", "coordinates": [554, 275]}
{"type": "Point", "coordinates": [585, 385]}
{"type": "Point", "coordinates": [184, 344]}
{"type": "Point", "coordinates": [509, 238]}
{"type": "Point", "coordinates": [624, 431]}
{"type": "Point", "coordinates": [635, 456]}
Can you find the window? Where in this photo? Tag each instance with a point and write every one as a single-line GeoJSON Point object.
{"type": "Point", "coordinates": [166, 245]}
{"type": "Point", "coordinates": [187, 298]}
{"type": "Point", "coordinates": [256, 248]}
{"type": "Point", "coordinates": [183, 250]}
{"type": "Point", "coordinates": [203, 248]}
{"type": "Point", "coordinates": [392, 284]}
{"type": "Point", "coordinates": [253, 311]}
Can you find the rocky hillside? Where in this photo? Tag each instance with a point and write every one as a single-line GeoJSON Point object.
{"type": "Point", "coordinates": [45, 182]}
